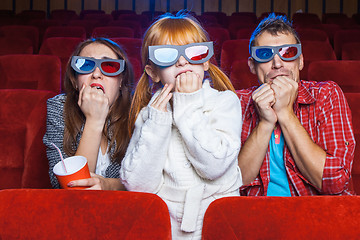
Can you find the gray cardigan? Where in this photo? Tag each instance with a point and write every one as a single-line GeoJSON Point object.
{"type": "Point", "coordinates": [55, 134]}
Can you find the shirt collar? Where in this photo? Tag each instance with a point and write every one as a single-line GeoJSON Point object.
{"type": "Point", "coordinates": [304, 95]}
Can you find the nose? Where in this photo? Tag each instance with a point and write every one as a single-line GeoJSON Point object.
{"type": "Point", "coordinates": [181, 61]}
{"type": "Point", "coordinates": [96, 73]}
{"type": "Point", "coordinates": [277, 62]}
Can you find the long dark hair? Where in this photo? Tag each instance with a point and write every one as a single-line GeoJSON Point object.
{"type": "Point", "coordinates": [116, 124]}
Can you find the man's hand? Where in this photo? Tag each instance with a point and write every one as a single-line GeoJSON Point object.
{"type": "Point", "coordinates": [264, 99]}
{"type": "Point", "coordinates": [286, 91]}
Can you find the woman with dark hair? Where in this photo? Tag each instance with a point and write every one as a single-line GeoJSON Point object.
{"type": "Point", "coordinates": [91, 118]}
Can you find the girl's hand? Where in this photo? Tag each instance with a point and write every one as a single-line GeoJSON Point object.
{"type": "Point", "coordinates": [94, 104]}
{"type": "Point", "coordinates": [163, 98]}
{"type": "Point", "coordinates": [188, 82]}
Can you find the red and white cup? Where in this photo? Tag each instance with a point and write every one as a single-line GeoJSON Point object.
{"type": "Point", "coordinates": [76, 168]}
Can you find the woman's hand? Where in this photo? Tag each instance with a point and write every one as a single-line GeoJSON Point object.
{"type": "Point", "coordinates": [163, 98]}
{"type": "Point", "coordinates": [97, 182]}
{"type": "Point", "coordinates": [94, 104]}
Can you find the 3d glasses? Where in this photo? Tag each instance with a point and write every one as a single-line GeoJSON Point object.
{"type": "Point", "coordinates": [286, 52]}
{"type": "Point", "coordinates": [109, 67]}
{"type": "Point", "coordinates": [167, 55]}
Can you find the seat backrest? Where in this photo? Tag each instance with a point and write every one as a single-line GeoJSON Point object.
{"type": "Point", "coordinates": [82, 215]}
{"type": "Point", "coordinates": [16, 46]}
{"type": "Point", "coordinates": [343, 72]}
{"type": "Point", "coordinates": [63, 47]}
{"type": "Point", "coordinates": [116, 13]}
{"type": "Point", "coordinates": [350, 51]}
{"type": "Point", "coordinates": [315, 51]}
{"type": "Point", "coordinates": [23, 161]}
{"type": "Point", "coordinates": [312, 34]}
{"type": "Point", "coordinates": [311, 217]}
{"type": "Point", "coordinates": [344, 36]}
{"type": "Point", "coordinates": [240, 75]}
{"type": "Point", "coordinates": [113, 31]}
{"type": "Point", "coordinates": [22, 31]}
{"type": "Point", "coordinates": [305, 19]}
{"type": "Point", "coordinates": [132, 46]}
{"type": "Point", "coordinates": [65, 31]}
{"type": "Point", "coordinates": [38, 72]}
{"type": "Point", "coordinates": [87, 24]}
{"type": "Point", "coordinates": [353, 100]}
{"type": "Point", "coordinates": [135, 25]}
{"type": "Point", "coordinates": [218, 35]}
{"type": "Point", "coordinates": [233, 50]}
{"type": "Point", "coordinates": [63, 14]}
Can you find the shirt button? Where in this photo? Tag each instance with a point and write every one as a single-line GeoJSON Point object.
{"type": "Point", "coordinates": [346, 143]}
{"type": "Point", "coordinates": [276, 136]}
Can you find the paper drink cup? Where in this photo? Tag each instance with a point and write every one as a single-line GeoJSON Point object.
{"type": "Point", "coordinates": [76, 167]}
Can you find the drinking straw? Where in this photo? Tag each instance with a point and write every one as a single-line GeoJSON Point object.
{"type": "Point", "coordinates": [61, 157]}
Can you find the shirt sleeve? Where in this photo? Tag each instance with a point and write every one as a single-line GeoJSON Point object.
{"type": "Point", "coordinates": [210, 124]}
{"type": "Point", "coordinates": [336, 137]}
{"type": "Point", "coordinates": [54, 134]}
{"type": "Point", "coordinates": [143, 164]}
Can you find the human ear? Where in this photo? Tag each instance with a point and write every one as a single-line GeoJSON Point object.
{"type": "Point", "coordinates": [301, 63]}
{"type": "Point", "coordinates": [206, 65]}
{"type": "Point", "coordinates": [251, 64]}
{"type": "Point", "coordinates": [151, 71]}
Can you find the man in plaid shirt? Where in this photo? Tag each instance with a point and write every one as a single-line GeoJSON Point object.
{"type": "Point", "coordinates": [297, 136]}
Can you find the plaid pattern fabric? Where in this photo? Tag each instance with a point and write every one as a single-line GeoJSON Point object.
{"type": "Point", "coordinates": [323, 111]}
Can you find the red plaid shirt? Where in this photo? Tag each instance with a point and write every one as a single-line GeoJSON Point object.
{"type": "Point", "coordinates": [324, 113]}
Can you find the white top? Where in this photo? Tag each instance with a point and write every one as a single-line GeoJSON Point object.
{"type": "Point", "coordinates": [188, 153]}
{"type": "Point", "coordinates": [103, 161]}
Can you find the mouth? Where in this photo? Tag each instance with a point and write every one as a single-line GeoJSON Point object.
{"type": "Point", "coordinates": [182, 73]}
{"type": "Point", "coordinates": [98, 86]}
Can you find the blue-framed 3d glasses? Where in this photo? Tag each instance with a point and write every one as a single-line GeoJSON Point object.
{"type": "Point", "coordinates": [168, 55]}
{"type": "Point", "coordinates": [109, 67]}
{"type": "Point", "coordinates": [287, 52]}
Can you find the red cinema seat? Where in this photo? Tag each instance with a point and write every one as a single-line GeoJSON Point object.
{"type": "Point", "coordinates": [315, 51]}
{"type": "Point", "coordinates": [61, 47]}
{"type": "Point", "coordinates": [90, 11]}
{"type": "Point", "coordinates": [305, 19]}
{"type": "Point", "coordinates": [208, 21]}
{"type": "Point", "coordinates": [63, 15]}
{"type": "Point", "coordinates": [23, 161]}
{"type": "Point", "coordinates": [103, 19]}
{"type": "Point", "coordinates": [353, 100]}
{"type": "Point", "coordinates": [241, 77]}
{"type": "Point", "coordinates": [311, 217]}
{"type": "Point", "coordinates": [134, 25]}
{"type": "Point", "coordinates": [65, 31]}
{"type": "Point", "coordinates": [350, 51]}
{"type": "Point", "coordinates": [112, 32]}
{"type": "Point", "coordinates": [218, 35]}
{"type": "Point", "coordinates": [22, 31]}
{"type": "Point", "coordinates": [87, 24]}
{"type": "Point", "coordinates": [233, 50]}
{"type": "Point", "coordinates": [221, 17]}
{"type": "Point", "coordinates": [312, 34]}
{"type": "Point", "coordinates": [346, 73]}
{"type": "Point", "coordinates": [16, 46]}
{"type": "Point", "coordinates": [132, 46]}
{"type": "Point", "coordinates": [344, 36]}
{"type": "Point", "coordinates": [74, 214]}
{"type": "Point", "coordinates": [38, 72]}
{"type": "Point", "coordinates": [116, 13]}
